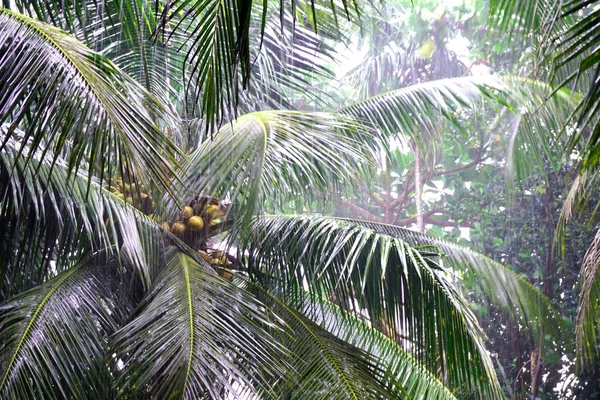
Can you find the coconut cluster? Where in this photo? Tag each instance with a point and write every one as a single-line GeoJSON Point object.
{"type": "Point", "coordinates": [133, 194]}
{"type": "Point", "coordinates": [195, 219]}
{"type": "Point", "coordinates": [194, 224]}
{"type": "Point", "coordinates": [219, 260]}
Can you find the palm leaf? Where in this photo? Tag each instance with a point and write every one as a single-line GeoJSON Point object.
{"type": "Point", "coordinates": [273, 154]}
{"type": "Point", "coordinates": [286, 71]}
{"type": "Point", "coordinates": [502, 286]}
{"type": "Point", "coordinates": [529, 113]}
{"type": "Point", "coordinates": [76, 104]}
{"type": "Point", "coordinates": [570, 37]}
{"type": "Point", "coordinates": [526, 17]}
{"type": "Point", "coordinates": [416, 381]}
{"type": "Point", "coordinates": [287, 64]}
{"type": "Point", "coordinates": [196, 336]}
{"type": "Point", "coordinates": [216, 33]}
{"type": "Point", "coordinates": [77, 17]}
{"type": "Point", "coordinates": [412, 109]}
{"type": "Point", "coordinates": [324, 366]}
{"type": "Point", "coordinates": [396, 285]}
{"type": "Point", "coordinates": [132, 40]}
{"type": "Point", "coordinates": [219, 47]}
{"type": "Point", "coordinates": [587, 329]}
{"type": "Point", "coordinates": [54, 337]}
{"type": "Point", "coordinates": [536, 128]}
{"type": "Point", "coordinates": [48, 216]}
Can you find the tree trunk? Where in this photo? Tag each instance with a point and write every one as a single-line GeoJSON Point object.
{"type": "Point", "coordinates": [418, 190]}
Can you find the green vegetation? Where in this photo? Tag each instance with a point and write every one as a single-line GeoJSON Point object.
{"type": "Point", "coordinates": [320, 200]}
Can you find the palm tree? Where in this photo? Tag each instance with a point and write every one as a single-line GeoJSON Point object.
{"type": "Point", "coordinates": [564, 36]}
{"type": "Point", "coordinates": [137, 257]}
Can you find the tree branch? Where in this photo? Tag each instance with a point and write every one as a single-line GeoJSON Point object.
{"type": "Point", "coordinates": [476, 161]}
{"type": "Point", "coordinates": [372, 195]}
{"type": "Point", "coordinates": [419, 191]}
{"type": "Point", "coordinates": [407, 187]}
{"type": "Point", "coordinates": [427, 217]}
{"type": "Point", "coordinates": [361, 211]}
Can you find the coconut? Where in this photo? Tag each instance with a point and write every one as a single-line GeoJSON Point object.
{"type": "Point", "coordinates": [219, 258]}
{"type": "Point", "coordinates": [212, 211]}
{"type": "Point", "coordinates": [178, 229]}
{"type": "Point", "coordinates": [195, 224]}
{"type": "Point", "coordinates": [187, 212]}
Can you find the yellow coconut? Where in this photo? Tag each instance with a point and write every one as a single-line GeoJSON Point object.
{"type": "Point", "coordinates": [211, 211]}
{"type": "Point", "coordinates": [195, 224]}
{"type": "Point", "coordinates": [219, 258]}
{"type": "Point", "coordinates": [187, 212]}
{"type": "Point", "coordinates": [178, 229]}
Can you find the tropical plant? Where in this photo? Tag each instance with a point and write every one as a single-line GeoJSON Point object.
{"type": "Point", "coordinates": [131, 268]}
{"type": "Point", "coordinates": [564, 37]}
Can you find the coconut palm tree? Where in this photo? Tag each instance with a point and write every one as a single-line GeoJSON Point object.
{"type": "Point", "coordinates": [137, 259]}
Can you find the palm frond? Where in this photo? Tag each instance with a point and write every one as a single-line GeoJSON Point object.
{"type": "Point", "coordinates": [526, 18]}
{"type": "Point", "coordinates": [195, 336]}
{"type": "Point", "coordinates": [48, 217]}
{"type": "Point", "coordinates": [272, 154]}
{"type": "Point", "coordinates": [132, 40]}
{"type": "Point", "coordinates": [76, 17]}
{"type": "Point", "coordinates": [324, 366]}
{"type": "Point", "coordinates": [76, 104]}
{"type": "Point", "coordinates": [218, 54]}
{"type": "Point", "coordinates": [54, 337]}
{"type": "Point", "coordinates": [577, 62]}
{"type": "Point", "coordinates": [514, 294]}
{"type": "Point", "coordinates": [404, 291]}
{"type": "Point", "coordinates": [416, 381]}
{"type": "Point", "coordinates": [216, 45]}
{"type": "Point", "coordinates": [569, 37]}
{"type": "Point", "coordinates": [287, 64]}
{"type": "Point", "coordinates": [587, 328]}
{"type": "Point", "coordinates": [529, 113]}
{"type": "Point", "coordinates": [535, 128]}
{"type": "Point", "coordinates": [411, 110]}
{"type": "Point", "coordinates": [413, 114]}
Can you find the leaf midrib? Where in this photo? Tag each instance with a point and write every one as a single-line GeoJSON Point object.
{"type": "Point", "coordinates": [188, 288]}
{"type": "Point", "coordinates": [323, 348]}
{"type": "Point", "coordinates": [34, 25]}
{"type": "Point", "coordinates": [33, 320]}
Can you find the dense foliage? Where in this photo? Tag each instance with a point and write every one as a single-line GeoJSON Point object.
{"type": "Point", "coordinates": [199, 200]}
